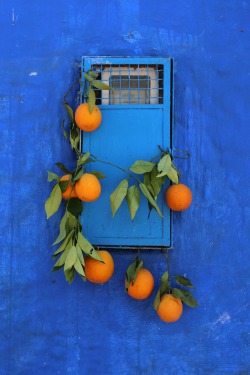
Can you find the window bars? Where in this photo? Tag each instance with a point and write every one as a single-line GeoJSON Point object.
{"type": "Point", "coordinates": [132, 84]}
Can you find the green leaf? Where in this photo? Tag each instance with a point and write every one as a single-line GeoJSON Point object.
{"type": "Point", "coordinates": [90, 160]}
{"type": "Point", "coordinates": [79, 268]}
{"type": "Point", "coordinates": [79, 254]}
{"type": "Point", "coordinates": [156, 182]}
{"type": "Point", "coordinates": [62, 233]}
{"type": "Point", "coordinates": [63, 168]}
{"type": "Point", "coordinates": [91, 95]}
{"type": "Point", "coordinates": [74, 136]}
{"type": "Point", "coordinates": [70, 259]}
{"type": "Point", "coordinates": [70, 275]}
{"type": "Point", "coordinates": [63, 244]}
{"type": "Point", "coordinates": [157, 300]}
{"type": "Point", "coordinates": [118, 195]}
{"type": "Point", "coordinates": [52, 176]}
{"type": "Point", "coordinates": [165, 283]}
{"type": "Point", "coordinates": [151, 190]}
{"type": "Point", "coordinates": [78, 175]}
{"type": "Point", "coordinates": [60, 262]}
{"type": "Point", "coordinates": [147, 178]}
{"type": "Point", "coordinates": [185, 296]}
{"type": "Point", "coordinates": [165, 277]}
{"type": "Point", "coordinates": [83, 243]}
{"type": "Point", "coordinates": [93, 74]}
{"type": "Point", "coordinates": [164, 288]}
{"type": "Point", "coordinates": [75, 206]}
{"type": "Point", "coordinates": [63, 185]}
{"type": "Point", "coordinates": [164, 165]}
{"type": "Point", "coordinates": [98, 174]}
{"type": "Point", "coordinates": [177, 170]}
{"type": "Point", "coordinates": [133, 200]}
{"type": "Point", "coordinates": [173, 175]}
{"type": "Point", "coordinates": [100, 85]}
{"type": "Point", "coordinates": [87, 248]}
{"type": "Point", "coordinates": [87, 77]}
{"type": "Point", "coordinates": [70, 111]}
{"type": "Point", "coordinates": [64, 130]}
{"type": "Point", "coordinates": [52, 204]}
{"type": "Point", "coordinates": [142, 166]}
{"type": "Point", "coordinates": [83, 159]}
{"type": "Point", "coordinates": [132, 272]}
{"type": "Point", "coordinates": [71, 222]}
{"type": "Point", "coordinates": [183, 281]}
{"type": "Point", "coordinates": [151, 200]}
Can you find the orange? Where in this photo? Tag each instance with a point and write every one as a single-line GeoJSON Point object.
{"type": "Point", "coordinates": [88, 187]}
{"type": "Point", "coordinates": [98, 272]}
{"type": "Point", "coordinates": [143, 285]}
{"type": "Point", "coordinates": [170, 308]}
{"type": "Point", "coordinates": [178, 197]}
{"type": "Point", "coordinates": [85, 120]}
{"type": "Point", "coordinates": [69, 192]}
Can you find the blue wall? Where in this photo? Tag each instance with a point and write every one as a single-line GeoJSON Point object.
{"type": "Point", "coordinates": [49, 327]}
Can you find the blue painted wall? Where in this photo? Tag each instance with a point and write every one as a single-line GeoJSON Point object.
{"type": "Point", "coordinates": [49, 327]}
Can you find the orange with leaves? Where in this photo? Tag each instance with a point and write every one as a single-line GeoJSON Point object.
{"type": "Point", "coordinates": [170, 308]}
{"type": "Point", "coordinates": [85, 120]}
{"type": "Point", "coordinates": [70, 191]}
{"type": "Point", "coordinates": [178, 197]}
{"type": "Point", "coordinates": [98, 272]}
{"type": "Point", "coordinates": [142, 286]}
{"type": "Point", "coordinates": [88, 187]}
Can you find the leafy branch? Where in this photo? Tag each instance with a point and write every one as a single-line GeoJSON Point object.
{"type": "Point", "coordinates": [73, 245]}
{"type": "Point", "coordinates": [183, 294]}
{"type": "Point", "coordinates": [91, 78]}
{"type": "Point", "coordinates": [153, 175]}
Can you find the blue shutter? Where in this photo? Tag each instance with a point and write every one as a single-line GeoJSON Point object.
{"type": "Point", "coordinates": [136, 119]}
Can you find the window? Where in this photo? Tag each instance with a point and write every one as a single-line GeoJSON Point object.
{"type": "Point", "coordinates": [136, 118]}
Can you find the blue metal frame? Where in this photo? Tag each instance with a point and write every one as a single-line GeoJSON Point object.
{"type": "Point", "coordinates": [89, 62]}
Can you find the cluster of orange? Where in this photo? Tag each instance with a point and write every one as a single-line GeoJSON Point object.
{"type": "Point", "coordinates": [170, 307]}
{"type": "Point", "coordinates": [87, 188]}
{"type": "Point", "coordinates": [178, 198]}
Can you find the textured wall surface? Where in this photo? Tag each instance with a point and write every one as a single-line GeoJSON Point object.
{"type": "Point", "coordinates": [50, 327]}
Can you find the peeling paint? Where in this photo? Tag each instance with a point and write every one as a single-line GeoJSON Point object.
{"type": "Point", "coordinates": [13, 17]}
{"type": "Point", "coordinates": [133, 37]}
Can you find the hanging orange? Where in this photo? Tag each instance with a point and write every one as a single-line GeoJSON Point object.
{"type": "Point", "coordinates": [143, 285]}
{"type": "Point", "coordinates": [88, 188]}
{"type": "Point", "coordinates": [178, 197]}
{"type": "Point", "coordinates": [70, 191]}
{"type": "Point", "coordinates": [98, 272]}
{"type": "Point", "coordinates": [170, 308]}
{"type": "Point", "coordinates": [85, 120]}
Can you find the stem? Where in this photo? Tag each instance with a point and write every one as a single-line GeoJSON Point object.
{"type": "Point", "coordinates": [167, 260]}
{"type": "Point", "coordinates": [139, 253]}
{"type": "Point", "coordinates": [186, 152]}
{"type": "Point", "coordinates": [168, 269]}
{"type": "Point", "coordinates": [116, 166]}
{"type": "Point", "coordinates": [70, 88]}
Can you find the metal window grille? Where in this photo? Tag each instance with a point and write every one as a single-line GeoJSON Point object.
{"type": "Point", "coordinates": [132, 84]}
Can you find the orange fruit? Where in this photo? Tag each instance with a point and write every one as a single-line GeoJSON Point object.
{"type": "Point", "coordinates": [178, 197]}
{"type": "Point", "coordinates": [170, 308]}
{"type": "Point", "coordinates": [69, 192]}
{"type": "Point", "coordinates": [98, 272]}
{"type": "Point", "coordinates": [88, 187]}
{"type": "Point", "coordinates": [143, 285]}
{"type": "Point", "coordinates": [85, 120]}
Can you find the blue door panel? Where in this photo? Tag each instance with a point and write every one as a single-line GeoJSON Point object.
{"type": "Point", "coordinates": [123, 137]}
